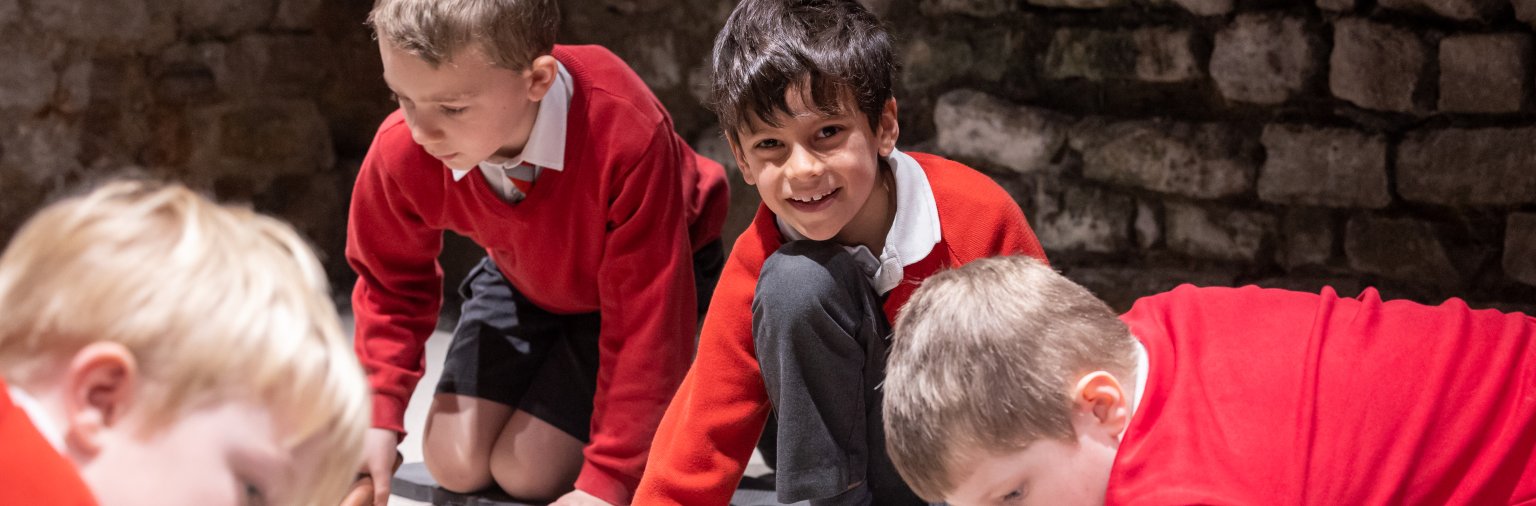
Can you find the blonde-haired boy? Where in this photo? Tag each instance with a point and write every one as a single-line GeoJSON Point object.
{"type": "Point", "coordinates": [1010, 384]}
{"type": "Point", "coordinates": [602, 236]}
{"type": "Point", "coordinates": [173, 351]}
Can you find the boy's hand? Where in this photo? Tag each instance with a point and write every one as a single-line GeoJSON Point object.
{"type": "Point", "coordinates": [380, 460]}
{"type": "Point", "coordinates": [579, 498]}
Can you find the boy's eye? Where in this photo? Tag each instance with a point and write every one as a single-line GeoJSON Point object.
{"type": "Point", "coordinates": [768, 144]}
{"type": "Point", "coordinates": [828, 131]}
{"type": "Point", "coordinates": [452, 111]}
{"type": "Point", "coordinates": [1013, 497]}
{"type": "Point", "coordinates": [253, 496]}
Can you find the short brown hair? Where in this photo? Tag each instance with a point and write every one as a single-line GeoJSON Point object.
{"type": "Point", "coordinates": [835, 49]}
{"type": "Point", "coordinates": [983, 359]}
{"type": "Point", "coordinates": [511, 32]}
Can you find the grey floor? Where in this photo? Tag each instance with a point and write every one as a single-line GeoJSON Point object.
{"type": "Point", "coordinates": [421, 400]}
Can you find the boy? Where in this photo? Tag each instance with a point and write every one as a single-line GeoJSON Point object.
{"type": "Point", "coordinates": [1010, 384]}
{"type": "Point", "coordinates": [158, 348]}
{"type": "Point", "coordinates": [599, 225]}
{"type": "Point", "coordinates": [848, 228]}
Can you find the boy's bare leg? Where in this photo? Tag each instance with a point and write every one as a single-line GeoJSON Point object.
{"type": "Point", "coordinates": [457, 443]}
{"type": "Point", "coordinates": [533, 460]}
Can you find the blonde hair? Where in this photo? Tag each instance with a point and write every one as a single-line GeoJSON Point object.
{"type": "Point", "coordinates": [511, 32]}
{"type": "Point", "coordinates": [214, 303]}
{"type": "Point", "coordinates": [982, 360]}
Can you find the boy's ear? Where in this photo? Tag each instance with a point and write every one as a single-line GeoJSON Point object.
{"type": "Point", "coordinates": [1100, 405]}
{"type": "Point", "coordinates": [541, 76]}
{"type": "Point", "coordinates": [741, 160]}
{"type": "Point", "coordinates": [99, 387]}
{"type": "Point", "coordinates": [890, 128]}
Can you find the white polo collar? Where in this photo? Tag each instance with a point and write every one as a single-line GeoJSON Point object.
{"type": "Point", "coordinates": [546, 143]}
{"type": "Point", "coordinates": [914, 230]}
{"type": "Point", "coordinates": [53, 432]}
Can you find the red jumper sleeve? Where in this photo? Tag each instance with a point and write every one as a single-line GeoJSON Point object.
{"type": "Point", "coordinates": [399, 282]}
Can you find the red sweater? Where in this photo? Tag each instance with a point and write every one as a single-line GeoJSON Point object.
{"type": "Point", "coordinates": [613, 232]}
{"type": "Point", "coordinates": [1260, 396]}
{"type": "Point", "coordinates": [709, 431]}
{"type": "Point", "coordinates": [31, 470]}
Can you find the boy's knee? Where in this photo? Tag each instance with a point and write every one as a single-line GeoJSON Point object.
{"type": "Point", "coordinates": [807, 275]}
{"type": "Point", "coordinates": [457, 467]}
{"type": "Point", "coordinates": [524, 479]}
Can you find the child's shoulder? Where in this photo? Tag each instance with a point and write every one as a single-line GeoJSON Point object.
{"type": "Point", "coordinates": [610, 100]}
{"type": "Point", "coordinates": [961, 191]}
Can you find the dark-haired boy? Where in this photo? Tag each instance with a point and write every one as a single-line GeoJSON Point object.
{"type": "Point", "coordinates": [601, 229]}
{"type": "Point", "coordinates": [848, 228]}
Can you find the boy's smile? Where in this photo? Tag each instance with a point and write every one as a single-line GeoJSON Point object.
{"type": "Point", "coordinates": [821, 173]}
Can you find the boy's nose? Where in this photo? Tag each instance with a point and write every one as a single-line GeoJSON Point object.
{"type": "Point", "coordinates": [804, 165]}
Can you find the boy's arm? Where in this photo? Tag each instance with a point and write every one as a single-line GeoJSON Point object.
{"type": "Point", "coordinates": [707, 435]}
{"type": "Point", "coordinates": [648, 311]}
{"type": "Point", "coordinates": [399, 284]}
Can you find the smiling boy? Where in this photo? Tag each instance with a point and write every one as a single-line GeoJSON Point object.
{"type": "Point", "coordinates": [849, 226]}
{"type": "Point", "coordinates": [601, 229]}
{"type": "Point", "coordinates": [1011, 385]}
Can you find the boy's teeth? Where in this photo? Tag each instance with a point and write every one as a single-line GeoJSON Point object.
{"type": "Point", "coordinates": [810, 199]}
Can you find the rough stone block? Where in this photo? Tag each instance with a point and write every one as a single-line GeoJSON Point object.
{"type": "Point", "coordinates": [977, 8]}
{"type": "Point", "coordinates": [974, 125]}
{"type": "Point", "coordinates": [1525, 10]}
{"type": "Point", "coordinates": [1337, 5]}
{"type": "Point", "coordinates": [1197, 7]}
{"type": "Point", "coordinates": [259, 141]}
{"type": "Point", "coordinates": [270, 65]}
{"type": "Point", "coordinates": [1121, 286]}
{"type": "Point", "coordinates": [41, 149]}
{"type": "Point", "coordinates": [1332, 167]}
{"type": "Point", "coordinates": [10, 9]}
{"type": "Point", "coordinates": [1460, 167]}
{"type": "Point", "coordinates": [1220, 234]}
{"type": "Point", "coordinates": [29, 78]}
{"type": "Point", "coordinates": [1460, 10]}
{"type": "Point", "coordinates": [933, 60]}
{"type": "Point", "coordinates": [1308, 237]}
{"type": "Point", "coordinates": [1376, 66]}
{"type": "Point", "coordinates": [1153, 54]}
{"type": "Point", "coordinates": [1520, 248]}
{"type": "Point", "coordinates": [877, 7]}
{"type": "Point", "coordinates": [1197, 160]}
{"type": "Point", "coordinates": [1070, 217]}
{"type": "Point", "coordinates": [1079, 4]}
{"type": "Point", "coordinates": [1402, 249]}
{"type": "Point", "coordinates": [1148, 228]}
{"type": "Point", "coordinates": [1265, 59]}
{"type": "Point", "coordinates": [295, 14]}
{"type": "Point", "coordinates": [1485, 73]}
{"type": "Point", "coordinates": [655, 57]}
{"type": "Point", "coordinates": [224, 18]}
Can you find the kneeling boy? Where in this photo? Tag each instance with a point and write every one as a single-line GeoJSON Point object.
{"type": "Point", "coordinates": [158, 348]}
{"type": "Point", "coordinates": [848, 228]}
{"type": "Point", "coordinates": [1010, 384]}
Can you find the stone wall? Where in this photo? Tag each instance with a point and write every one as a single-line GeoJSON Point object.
{"type": "Point", "coordinates": [1151, 142]}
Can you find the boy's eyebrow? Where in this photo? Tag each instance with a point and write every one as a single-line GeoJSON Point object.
{"type": "Point", "coordinates": [438, 98]}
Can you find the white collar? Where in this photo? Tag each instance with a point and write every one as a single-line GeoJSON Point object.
{"type": "Point", "coordinates": [51, 431]}
{"type": "Point", "coordinates": [546, 143]}
{"type": "Point", "coordinates": [914, 230]}
{"type": "Point", "coordinates": [1143, 367]}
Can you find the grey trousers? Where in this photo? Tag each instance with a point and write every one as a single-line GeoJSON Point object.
{"type": "Point", "coordinates": [820, 337]}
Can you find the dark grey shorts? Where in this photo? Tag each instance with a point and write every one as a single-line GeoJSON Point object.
{"type": "Point", "coordinates": [508, 350]}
